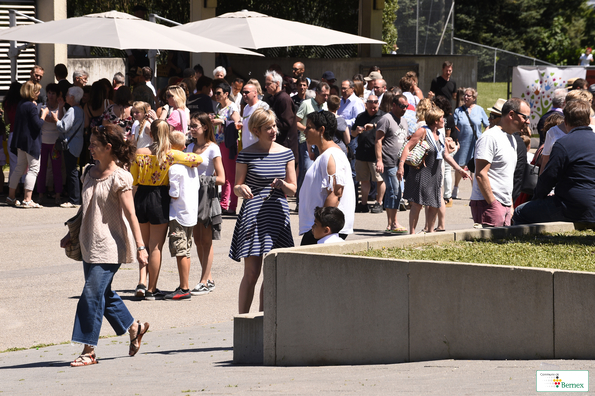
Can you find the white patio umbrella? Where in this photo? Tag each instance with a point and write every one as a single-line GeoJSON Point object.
{"type": "Point", "coordinates": [119, 30]}
{"type": "Point", "coordinates": [249, 29]}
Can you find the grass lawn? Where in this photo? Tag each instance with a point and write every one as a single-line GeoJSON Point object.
{"type": "Point", "coordinates": [567, 251]}
{"type": "Point", "coordinates": [489, 93]}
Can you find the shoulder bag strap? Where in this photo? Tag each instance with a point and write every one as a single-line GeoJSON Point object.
{"type": "Point", "coordinates": [472, 125]}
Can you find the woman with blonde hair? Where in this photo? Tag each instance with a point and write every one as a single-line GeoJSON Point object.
{"type": "Point", "coordinates": [141, 129]}
{"type": "Point", "coordinates": [423, 184]}
{"type": "Point", "coordinates": [151, 200]}
{"type": "Point", "coordinates": [265, 176]}
{"type": "Point", "coordinates": [179, 115]}
{"type": "Point", "coordinates": [26, 143]}
{"type": "Point", "coordinates": [255, 82]}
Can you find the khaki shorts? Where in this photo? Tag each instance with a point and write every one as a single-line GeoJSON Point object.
{"type": "Point", "coordinates": [180, 239]}
{"type": "Point", "coordinates": [366, 171]}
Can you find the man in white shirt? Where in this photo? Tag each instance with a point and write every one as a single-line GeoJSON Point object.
{"type": "Point", "coordinates": [250, 95]}
{"type": "Point", "coordinates": [495, 162]}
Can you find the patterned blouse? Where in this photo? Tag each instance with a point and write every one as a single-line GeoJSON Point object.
{"type": "Point", "coordinates": [125, 123]}
{"type": "Point", "coordinates": [146, 170]}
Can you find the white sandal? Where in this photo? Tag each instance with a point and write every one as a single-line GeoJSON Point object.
{"type": "Point", "coordinates": [30, 205]}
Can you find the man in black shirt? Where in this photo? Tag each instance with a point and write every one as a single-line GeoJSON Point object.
{"type": "Point", "coordinates": [443, 85]}
{"type": "Point", "coordinates": [201, 101]}
{"type": "Point", "coordinates": [570, 171]}
{"type": "Point", "coordinates": [364, 128]}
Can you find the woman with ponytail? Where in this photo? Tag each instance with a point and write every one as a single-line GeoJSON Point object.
{"type": "Point", "coordinates": [151, 200]}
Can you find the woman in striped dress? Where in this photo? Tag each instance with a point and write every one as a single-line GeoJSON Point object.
{"type": "Point", "coordinates": [265, 175]}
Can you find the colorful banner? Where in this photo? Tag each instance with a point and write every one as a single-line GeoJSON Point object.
{"type": "Point", "coordinates": [536, 84]}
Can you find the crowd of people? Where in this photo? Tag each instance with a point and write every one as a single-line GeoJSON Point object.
{"type": "Point", "coordinates": [152, 163]}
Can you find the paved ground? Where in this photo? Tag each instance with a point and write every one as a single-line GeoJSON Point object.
{"type": "Point", "coordinates": [189, 347]}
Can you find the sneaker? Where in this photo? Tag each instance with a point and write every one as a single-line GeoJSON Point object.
{"type": "Point", "coordinates": [140, 290]}
{"type": "Point", "coordinates": [179, 294]}
{"type": "Point", "coordinates": [211, 285]}
{"type": "Point", "coordinates": [69, 205]}
{"type": "Point", "coordinates": [361, 208]}
{"type": "Point", "coordinates": [377, 208]}
{"type": "Point", "coordinates": [156, 295]}
{"type": "Point", "coordinates": [402, 206]}
{"type": "Point", "coordinates": [199, 290]}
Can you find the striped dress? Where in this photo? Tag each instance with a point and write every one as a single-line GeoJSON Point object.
{"type": "Point", "coordinates": [263, 223]}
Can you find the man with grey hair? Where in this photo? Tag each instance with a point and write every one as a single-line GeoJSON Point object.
{"type": "Point", "coordinates": [280, 102]}
{"type": "Point", "coordinates": [495, 163]}
{"type": "Point", "coordinates": [80, 77]}
{"type": "Point", "coordinates": [558, 102]}
{"type": "Point", "coordinates": [118, 80]}
{"type": "Point", "coordinates": [351, 105]}
{"type": "Point", "coordinates": [379, 88]}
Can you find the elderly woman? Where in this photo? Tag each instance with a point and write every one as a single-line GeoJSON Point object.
{"type": "Point", "coordinates": [227, 113]}
{"type": "Point", "coordinates": [26, 144]}
{"type": "Point", "coordinates": [469, 117]}
{"type": "Point", "coordinates": [105, 243]}
{"type": "Point", "coordinates": [423, 186]}
{"type": "Point", "coordinates": [71, 128]}
{"type": "Point", "coordinates": [265, 176]}
{"type": "Point", "coordinates": [219, 73]}
{"type": "Point", "coordinates": [328, 182]}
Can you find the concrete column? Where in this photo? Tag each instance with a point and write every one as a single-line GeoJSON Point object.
{"type": "Point", "coordinates": [370, 25]}
{"type": "Point", "coordinates": [199, 10]}
{"type": "Point", "coordinates": [48, 55]}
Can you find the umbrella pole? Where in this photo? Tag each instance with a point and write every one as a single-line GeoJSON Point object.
{"type": "Point", "coordinates": [14, 51]}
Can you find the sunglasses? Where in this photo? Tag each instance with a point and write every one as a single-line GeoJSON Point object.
{"type": "Point", "coordinates": [245, 92]}
{"type": "Point", "coordinates": [218, 93]}
{"type": "Point", "coordinates": [403, 106]}
{"type": "Point", "coordinates": [169, 96]}
{"type": "Point", "coordinates": [195, 126]}
{"type": "Point", "coordinates": [372, 101]}
{"type": "Point", "coordinates": [525, 117]}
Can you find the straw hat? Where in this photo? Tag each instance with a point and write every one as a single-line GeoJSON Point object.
{"type": "Point", "coordinates": [497, 108]}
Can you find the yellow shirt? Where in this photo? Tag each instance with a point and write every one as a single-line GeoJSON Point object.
{"type": "Point", "coordinates": [146, 171]}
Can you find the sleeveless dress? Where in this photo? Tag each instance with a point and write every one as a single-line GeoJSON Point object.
{"type": "Point", "coordinates": [422, 186]}
{"type": "Point", "coordinates": [263, 223]}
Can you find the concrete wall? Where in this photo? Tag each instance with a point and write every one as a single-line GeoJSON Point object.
{"type": "Point", "coordinates": [322, 307]}
{"type": "Point", "coordinates": [49, 55]}
{"type": "Point", "coordinates": [393, 67]}
{"type": "Point", "coordinates": [97, 68]}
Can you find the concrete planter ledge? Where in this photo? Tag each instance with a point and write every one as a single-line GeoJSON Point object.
{"type": "Point", "coordinates": [322, 307]}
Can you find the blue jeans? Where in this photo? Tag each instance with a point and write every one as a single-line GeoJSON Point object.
{"type": "Point", "coordinates": [73, 179]}
{"type": "Point", "coordinates": [304, 164]}
{"type": "Point", "coordinates": [99, 300]}
{"type": "Point", "coordinates": [392, 196]}
{"type": "Point", "coordinates": [545, 210]}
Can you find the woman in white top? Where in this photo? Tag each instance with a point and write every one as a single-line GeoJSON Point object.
{"type": "Point", "coordinates": [201, 130]}
{"type": "Point", "coordinates": [49, 135]}
{"type": "Point", "coordinates": [328, 182]}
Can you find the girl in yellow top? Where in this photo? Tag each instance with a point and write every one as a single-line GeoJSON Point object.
{"type": "Point", "coordinates": [151, 200]}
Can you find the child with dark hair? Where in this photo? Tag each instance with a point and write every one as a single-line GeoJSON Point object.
{"type": "Point", "coordinates": [328, 221]}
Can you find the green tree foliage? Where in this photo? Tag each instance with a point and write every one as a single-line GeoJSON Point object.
{"type": "Point", "coordinates": [389, 30]}
{"type": "Point", "coordinates": [552, 30]}
{"type": "Point", "coordinates": [176, 10]}
{"type": "Point", "coordinates": [432, 17]}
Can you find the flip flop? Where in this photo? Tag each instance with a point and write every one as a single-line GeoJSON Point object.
{"type": "Point", "coordinates": [133, 349]}
{"type": "Point", "coordinates": [399, 230]}
{"type": "Point", "coordinates": [438, 230]}
{"type": "Point", "coordinates": [84, 360]}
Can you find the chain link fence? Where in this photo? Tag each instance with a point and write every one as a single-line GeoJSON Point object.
{"type": "Point", "coordinates": [425, 28]}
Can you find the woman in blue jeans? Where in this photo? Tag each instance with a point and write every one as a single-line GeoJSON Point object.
{"type": "Point", "coordinates": [106, 243]}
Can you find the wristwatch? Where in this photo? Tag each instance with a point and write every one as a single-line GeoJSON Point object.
{"type": "Point", "coordinates": [138, 249]}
